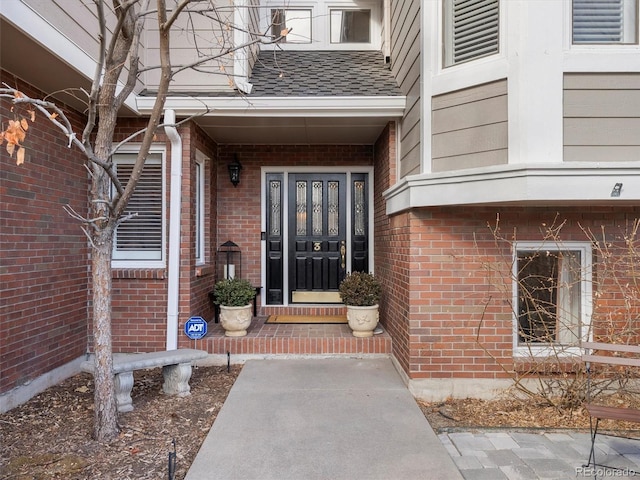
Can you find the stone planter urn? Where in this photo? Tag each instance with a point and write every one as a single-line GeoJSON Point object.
{"type": "Point", "coordinates": [235, 320]}
{"type": "Point", "coordinates": [360, 292]}
{"type": "Point", "coordinates": [362, 320]}
{"type": "Point", "coordinates": [234, 296]}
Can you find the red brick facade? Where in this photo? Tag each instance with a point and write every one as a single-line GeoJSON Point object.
{"type": "Point", "coordinates": [447, 317]}
{"type": "Point", "coordinates": [43, 266]}
{"type": "Point", "coordinates": [450, 313]}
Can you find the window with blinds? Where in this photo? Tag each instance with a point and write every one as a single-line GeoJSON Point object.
{"type": "Point", "coordinates": [140, 237]}
{"type": "Point", "coordinates": [471, 30]}
{"type": "Point", "coordinates": [605, 21]}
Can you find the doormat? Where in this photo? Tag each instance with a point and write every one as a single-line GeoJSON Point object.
{"type": "Point", "coordinates": [307, 319]}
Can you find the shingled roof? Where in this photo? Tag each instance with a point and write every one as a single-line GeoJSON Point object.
{"type": "Point", "coordinates": [322, 73]}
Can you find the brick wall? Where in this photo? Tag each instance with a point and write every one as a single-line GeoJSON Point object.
{"type": "Point", "coordinates": [460, 322]}
{"type": "Point", "coordinates": [44, 267]}
{"type": "Point", "coordinates": [239, 207]}
{"type": "Point", "coordinates": [197, 280]}
{"type": "Point", "coordinates": [139, 315]}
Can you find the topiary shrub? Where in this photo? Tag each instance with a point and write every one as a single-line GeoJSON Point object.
{"type": "Point", "coordinates": [233, 292]}
{"type": "Point", "coordinates": [360, 289]}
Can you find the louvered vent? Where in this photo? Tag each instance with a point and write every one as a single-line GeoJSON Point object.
{"type": "Point", "coordinates": [475, 31]}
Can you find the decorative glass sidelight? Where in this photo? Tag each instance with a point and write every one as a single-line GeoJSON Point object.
{"type": "Point", "coordinates": [316, 215]}
{"type": "Point", "coordinates": [301, 208]}
{"type": "Point", "coordinates": [275, 207]}
{"type": "Point", "coordinates": [359, 208]}
{"type": "Point", "coordinates": [333, 207]}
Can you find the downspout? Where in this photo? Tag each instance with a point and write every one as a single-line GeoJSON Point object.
{"type": "Point", "coordinates": [173, 264]}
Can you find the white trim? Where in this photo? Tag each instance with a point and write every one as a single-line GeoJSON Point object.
{"type": "Point", "coordinates": [517, 184]}
{"type": "Point", "coordinates": [586, 302]}
{"type": "Point", "coordinates": [201, 161]}
{"type": "Point", "coordinates": [378, 106]}
{"type": "Point", "coordinates": [347, 170]}
{"type": "Point", "coordinates": [320, 23]}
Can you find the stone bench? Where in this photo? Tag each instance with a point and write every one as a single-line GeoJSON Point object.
{"type": "Point", "coordinates": [176, 370]}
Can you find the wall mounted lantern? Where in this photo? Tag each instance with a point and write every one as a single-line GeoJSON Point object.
{"type": "Point", "coordinates": [234, 171]}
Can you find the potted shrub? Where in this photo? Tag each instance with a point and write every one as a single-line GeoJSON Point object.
{"type": "Point", "coordinates": [360, 292]}
{"type": "Point", "coordinates": [234, 295]}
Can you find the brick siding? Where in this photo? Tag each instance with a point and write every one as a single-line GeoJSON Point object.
{"type": "Point", "coordinates": [43, 272]}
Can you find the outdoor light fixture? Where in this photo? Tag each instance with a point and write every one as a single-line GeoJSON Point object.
{"type": "Point", "coordinates": [617, 188]}
{"type": "Point", "coordinates": [234, 171]}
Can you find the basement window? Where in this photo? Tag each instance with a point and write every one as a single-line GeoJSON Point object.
{"type": "Point", "coordinates": [552, 287]}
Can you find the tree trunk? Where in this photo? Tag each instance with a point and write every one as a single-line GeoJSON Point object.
{"type": "Point", "coordinates": [106, 420]}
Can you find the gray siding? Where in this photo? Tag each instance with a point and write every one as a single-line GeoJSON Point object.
{"type": "Point", "coordinates": [601, 117]}
{"type": "Point", "coordinates": [469, 128]}
{"type": "Point", "coordinates": [405, 58]}
{"type": "Point", "coordinates": [75, 19]}
{"type": "Point", "coordinates": [210, 38]}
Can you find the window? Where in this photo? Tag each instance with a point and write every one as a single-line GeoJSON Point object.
{"type": "Point", "coordinates": [350, 26]}
{"type": "Point", "coordinates": [320, 25]}
{"type": "Point", "coordinates": [299, 21]}
{"type": "Point", "coordinates": [471, 30]}
{"type": "Point", "coordinates": [199, 211]}
{"type": "Point", "coordinates": [552, 289]}
{"type": "Point", "coordinates": [605, 21]}
{"type": "Point", "coordinates": [141, 236]}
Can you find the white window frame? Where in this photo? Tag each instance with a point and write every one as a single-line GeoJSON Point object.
{"type": "Point", "coordinates": [332, 10]}
{"type": "Point", "coordinates": [546, 350]}
{"type": "Point", "coordinates": [140, 259]}
{"type": "Point", "coordinates": [296, 38]}
{"type": "Point", "coordinates": [321, 23]}
{"type": "Point", "coordinates": [447, 36]}
{"type": "Point", "coordinates": [200, 174]}
{"type": "Point", "coordinates": [630, 27]}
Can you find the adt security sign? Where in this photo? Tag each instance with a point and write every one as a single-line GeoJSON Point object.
{"type": "Point", "coordinates": [195, 328]}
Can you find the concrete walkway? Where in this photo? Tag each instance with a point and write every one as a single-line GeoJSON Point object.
{"type": "Point", "coordinates": [329, 419]}
{"type": "Point", "coordinates": [354, 419]}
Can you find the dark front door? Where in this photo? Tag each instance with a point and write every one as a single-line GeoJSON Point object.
{"type": "Point", "coordinates": [317, 228]}
{"type": "Point", "coordinates": [317, 237]}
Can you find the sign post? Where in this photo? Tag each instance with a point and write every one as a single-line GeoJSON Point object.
{"type": "Point", "coordinates": [195, 328]}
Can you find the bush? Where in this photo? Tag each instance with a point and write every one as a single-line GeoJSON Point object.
{"type": "Point", "coordinates": [360, 289]}
{"type": "Point", "coordinates": [233, 292]}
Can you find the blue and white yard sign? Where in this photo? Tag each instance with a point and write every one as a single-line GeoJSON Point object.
{"type": "Point", "coordinates": [195, 328]}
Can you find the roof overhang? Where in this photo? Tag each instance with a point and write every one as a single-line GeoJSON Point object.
{"type": "Point", "coordinates": [280, 106]}
{"type": "Point", "coordinates": [530, 185]}
{"type": "Point", "coordinates": [286, 120]}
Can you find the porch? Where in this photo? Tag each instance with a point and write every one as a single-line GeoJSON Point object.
{"type": "Point", "coordinates": [294, 339]}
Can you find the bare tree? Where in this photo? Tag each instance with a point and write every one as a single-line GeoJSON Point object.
{"type": "Point", "coordinates": [548, 327]}
{"type": "Point", "coordinates": [118, 70]}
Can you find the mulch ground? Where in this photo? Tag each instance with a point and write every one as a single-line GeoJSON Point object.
{"type": "Point", "coordinates": [50, 436]}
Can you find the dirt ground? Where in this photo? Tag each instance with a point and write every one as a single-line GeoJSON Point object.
{"type": "Point", "coordinates": [50, 436]}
